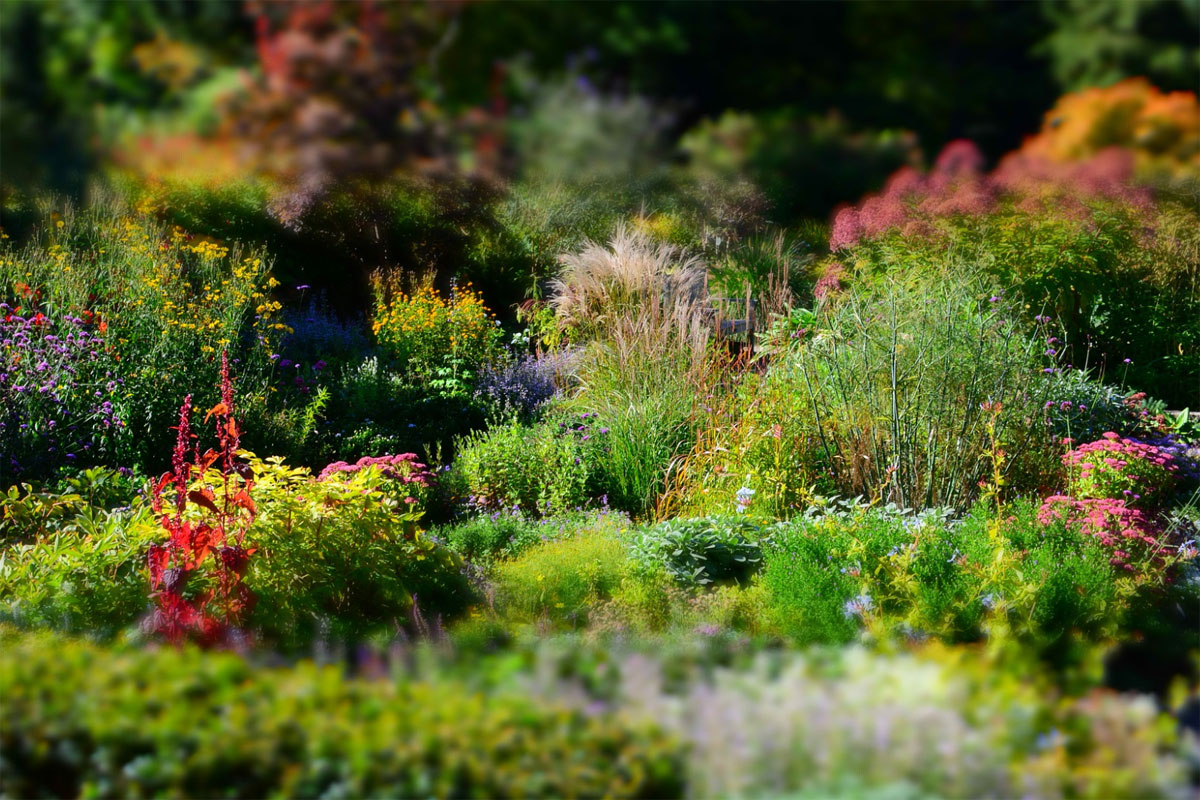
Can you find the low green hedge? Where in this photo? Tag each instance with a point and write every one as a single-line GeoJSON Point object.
{"type": "Point", "coordinates": [79, 720]}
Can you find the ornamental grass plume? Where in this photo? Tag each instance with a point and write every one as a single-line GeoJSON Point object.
{"type": "Point", "coordinates": [625, 284]}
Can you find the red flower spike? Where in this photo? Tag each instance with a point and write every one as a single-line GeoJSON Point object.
{"type": "Point", "coordinates": [201, 544]}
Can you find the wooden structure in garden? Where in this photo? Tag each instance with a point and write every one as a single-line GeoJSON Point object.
{"type": "Point", "coordinates": [738, 330]}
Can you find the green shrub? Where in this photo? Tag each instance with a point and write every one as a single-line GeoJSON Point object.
{"type": "Point", "coordinates": [336, 557]}
{"type": "Point", "coordinates": [806, 578]}
{"type": "Point", "coordinates": [770, 148]}
{"type": "Point", "coordinates": [1048, 589]}
{"type": "Point", "coordinates": [484, 539]}
{"type": "Point", "coordinates": [28, 514]}
{"type": "Point", "coordinates": [339, 554]}
{"type": "Point", "coordinates": [81, 721]}
{"type": "Point", "coordinates": [1082, 408]}
{"type": "Point", "coordinates": [1064, 585]}
{"type": "Point", "coordinates": [87, 572]}
{"type": "Point", "coordinates": [374, 409]}
{"type": "Point", "coordinates": [539, 470]}
{"type": "Point", "coordinates": [700, 551]}
{"type": "Point", "coordinates": [650, 600]}
{"type": "Point", "coordinates": [911, 385]}
{"type": "Point", "coordinates": [560, 580]}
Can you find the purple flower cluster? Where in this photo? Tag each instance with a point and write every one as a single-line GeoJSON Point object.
{"type": "Point", "coordinates": [1184, 455]}
{"type": "Point", "coordinates": [58, 386]}
{"type": "Point", "coordinates": [522, 387]}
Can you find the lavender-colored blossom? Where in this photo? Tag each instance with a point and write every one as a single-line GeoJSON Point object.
{"type": "Point", "coordinates": [56, 393]}
{"type": "Point", "coordinates": [858, 606]}
{"type": "Point", "coordinates": [521, 388]}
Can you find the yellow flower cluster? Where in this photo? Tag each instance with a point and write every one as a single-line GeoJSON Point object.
{"type": "Point", "coordinates": [207, 249]}
{"type": "Point", "coordinates": [422, 328]}
{"type": "Point", "coordinates": [194, 287]}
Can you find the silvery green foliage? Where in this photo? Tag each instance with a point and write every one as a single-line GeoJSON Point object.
{"type": "Point", "coordinates": [700, 551]}
{"type": "Point", "coordinates": [854, 723]}
{"type": "Point", "coordinates": [847, 509]}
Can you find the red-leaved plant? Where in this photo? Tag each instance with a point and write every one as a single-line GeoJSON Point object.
{"type": "Point", "coordinates": [210, 614]}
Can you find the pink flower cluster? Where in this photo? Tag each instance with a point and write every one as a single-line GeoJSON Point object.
{"type": "Point", "coordinates": [1120, 468]}
{"type": "Point", "coordinates": [830, 281]}
{"type": "Point", "coordinates": [1129, 532]}
{"type": "Point", "coordinates": [1119, 486]}
{"type": "Point", "coordinates": [403, 467]}
{"type": "Point", "coordinates": [1040, 182]}
{"type": "Point", "coordinates": [957, 186]}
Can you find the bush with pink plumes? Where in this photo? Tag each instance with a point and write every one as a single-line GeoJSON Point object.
{"type": "Point", "coordinates": [916, 204]}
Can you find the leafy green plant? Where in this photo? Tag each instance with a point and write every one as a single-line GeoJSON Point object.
{"type": "Point", "coordinates": [808, 584]}
{"type": "Point", "coordinates": [539, 470]}
{"type": "Point", "coordinates": [485, 539]}
{"type": "Point", "coordinates": [562, 579]}
{"type": "Point", "coordinates": [700, 551]}
{"type": "Point", "coordinates": [85, 571]}
{"type": "Point", "coordinates": [1117, 275]}
{"type": "Point", "coordinates": [341, 556]}
{"type": "Point", "coordinates": [28, 514]}
{"type": "Point", "coordinates": [787, 331]}
{"type": "Point", "coordinates": [1038, 584]}
{"type": "Point", "coordinates": [375, 408]}
{"type": "Point", "coordinates": [121, 719]}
